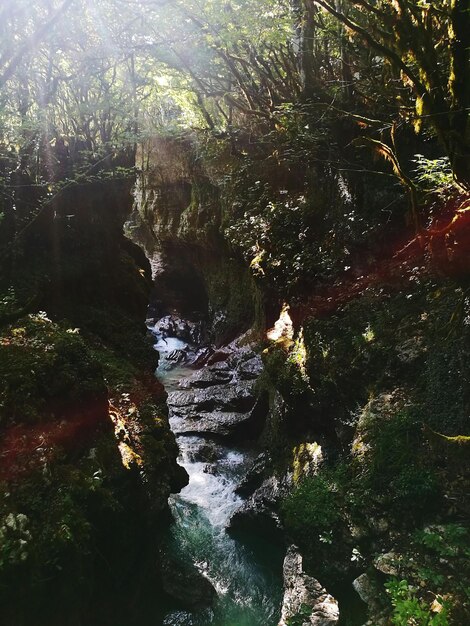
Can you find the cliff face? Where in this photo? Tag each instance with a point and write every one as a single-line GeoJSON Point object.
{"type": "Point", "coordinates": [367, 370]}
{"type": "Point", "coordinates": [178, 218]}
{"type": "Point", "coordinates": [87, 457]}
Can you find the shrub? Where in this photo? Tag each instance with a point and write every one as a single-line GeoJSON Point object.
{"type": "Point", "coordinates": [411, 610]}
{"type": "Point", "coordinates": [312, 509]}
{"type": "Point", "coordinates": [393, 468]}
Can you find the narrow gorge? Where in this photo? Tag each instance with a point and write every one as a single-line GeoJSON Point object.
{"type": "Point", "coordinates": [234, 313]}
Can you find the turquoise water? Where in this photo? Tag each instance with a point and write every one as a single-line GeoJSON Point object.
{"type": "Point", "coordinates": [246, 577]}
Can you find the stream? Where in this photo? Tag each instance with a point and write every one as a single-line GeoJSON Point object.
{"type": "Point", "coordinates": [246, 571]}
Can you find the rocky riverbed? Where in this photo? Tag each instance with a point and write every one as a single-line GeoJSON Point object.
{"type": "Point", "coordinates": [223, 558]}
{"type": "Point", "coordinates": [216, 412]}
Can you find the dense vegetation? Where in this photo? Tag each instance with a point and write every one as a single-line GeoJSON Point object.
{"type": "Point", "coordinates": [327, 144]}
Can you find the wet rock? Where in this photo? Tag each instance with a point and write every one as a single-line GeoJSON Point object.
{"type": "Point", "coordinates": [227, 410]}
{"type": "Point", "coordinates": [304, 597]}
{"type": "Point", "coordinates": [254, 476]}
{"type": "Point", "coordinates": [178, 355]}
{"type": "Point", "coordinates": [183, 582]}
{"type": "Point", "coordinates": [259, 513]}
{"type": "Point", "coordinates": [207, 453]}
{"type": "Point", "coordinates": [250, 369]}
{"type": "Point", "coordinates": [238, 398]}
{"type": "Point", "coordinates": [201, 358]}
{"type": "Point", "coordinates": [213, 423]}
{"type": "Point", "coordinates": [209, 356]}
{"type": "Point", "coordinates": [219, 399]}
{"type": "Point", "coordinates": [186, 330]}
{"type": "Point", "coordinates": [208, 377]}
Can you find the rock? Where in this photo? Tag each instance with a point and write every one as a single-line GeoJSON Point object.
{"type": "Point", "coordinates": [387, 563]}
{"type": "Point", "coordinates": [221, 399]}
{"type": "Point", "coordinates": [254, 476]}
{"type": "Point", "coordinates": [364, 588]}
{"type": "Point", "coordinates": [207, 453]}
{"type": "Point", "coordinates": [371, 591]}
{"type": "Point", "coordinates": [218, 409]}
{"type": "Point", "coordinates": [202, 357]}
{"type": "Point", "coordinates": [183, 582]}
{"type": "Point", "coordinates": [250, 369]}
{"type": "Point", "coordinates": [304, 596]}
{"type": "Point", "coordinates": [213, 423]}
{"type": "Point", "coordinates": [259, 513]}
{"type": "Point", "coordinates": [207, 377]}
{"type": "Point", "coordinates": [252, 427]}
{"type": "Point", "coordinates": [221, 365]}
{"type": "Point", "coordinates": [234, 398]}
{"type": "Point", "coordinates": [178, 355]}
{"type": "Point", "coordinates": [173, 326]}
{"type": "Point", "coordinates": [209, 356]}
{"type": "Point", "coordinates": [217, 357]}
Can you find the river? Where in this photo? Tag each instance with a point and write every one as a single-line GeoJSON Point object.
{"type": "Point", "coordinates": [245, 571]}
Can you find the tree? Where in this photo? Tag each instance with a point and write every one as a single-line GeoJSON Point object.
{"type": "Point", "coordinates": [428, 45]}
{"type": "Point", "coordinates": [13, 18]}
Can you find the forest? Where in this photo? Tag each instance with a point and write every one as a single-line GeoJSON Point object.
{"type": "Point", "coordinates": [234, 312]}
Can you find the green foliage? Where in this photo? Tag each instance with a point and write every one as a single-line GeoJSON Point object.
{"type": "Point", "coordinates": [301, 617]}
{"type": "Point", "coordinates": [450, 540]}
{"type": "Point", "coordinates": [394, 468]}
{"type": "Point", "coordinates": [435, 563]}
{"type": "Point", "coordinates": [446, 376]}
{"type": "Point", "coordinates": [408, 608]}
{"type": "Point", "coordinates": [8, 302]}
{"type": "Point", "coordinates": [312, 510]}
{"type": "Point", "coordinates": [288, 232]}
{"type": "Point", "coordinates": [434, 175]}
{"type": "Point", "coordinates": [14, 537]}
{"type": "Point", "coordinates": [44, 366]}
{"type": "Point", "coordinates": [49, 543]}
{"type": "Point", "coordinates": [285, 374]}
{"type": "Point", "coordinates": [117, 342]}
{"type": "Point", "coordinates": [313, 515]}
{"type": "Point", "coordinates": [316, 518]}
{"type": "Point", "coordinates": [438, 558]}
{"type": "Point", "coordinates": [231, 290]}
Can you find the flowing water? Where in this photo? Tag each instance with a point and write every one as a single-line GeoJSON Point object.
{"type": "Point", "coordinates": [245, 573]}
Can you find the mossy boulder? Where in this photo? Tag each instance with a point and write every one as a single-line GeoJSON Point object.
{"type": "Point", "coordinates": [48, 373]}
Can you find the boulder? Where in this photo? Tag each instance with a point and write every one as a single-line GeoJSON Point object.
{"type": "Point", "coordinates": [186, 330]}
{"type": "Point", "coordinates": [254, 476]}
{"type": "Point", "coordinates": [388, 563]}
{"type": "Point", "coordinates": [230, 398]}
{"type": "Point", "coordinates": [304, 597]}
{"type": "Point", "coordinates": [212, 423]}
{"type": "Point", "coordinates": [369, 587]}
{"type": "Point", "coordinates": [259, 513]}
{"type": "Point", "coordinates": [207, 377]}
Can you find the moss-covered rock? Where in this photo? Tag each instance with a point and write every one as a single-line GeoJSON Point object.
{"type": "Point", "coordinates": [398, 466]}
{"type": "Point", "coordinates": [46, 369]}
{"type": "Point", "coordinates": [87, 459]}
